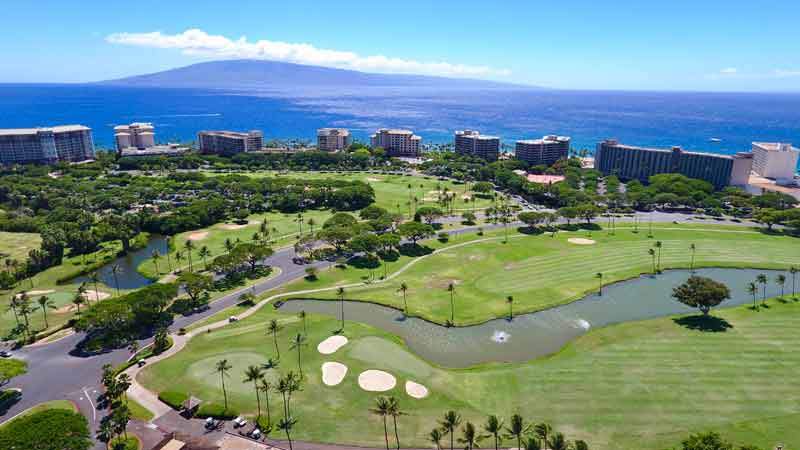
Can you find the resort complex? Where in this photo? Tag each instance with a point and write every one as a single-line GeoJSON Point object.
{"type": "Point", "coordinates": [46, 145]}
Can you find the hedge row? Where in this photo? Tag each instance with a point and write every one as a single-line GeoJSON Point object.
{"type": "Point", "coordinates": [173, 399]}
{"type": "Point", "coordinates": [216, 411]}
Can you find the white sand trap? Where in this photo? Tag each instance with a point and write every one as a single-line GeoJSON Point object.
{"type": "Point", "coordinates": [32, 294]}
{"type": "Point", "coordinates": [199, 236]}
{"type": "Point", "coordinates": [581, 241]}
{"type": "Point", "coordinates": [416, 390]}
{"type": "Point", "coordinates": [373, 179]}
{"type": "Point", "coordinates": [232, 226]}
{"type": "Point", "coordinates": [330, 345]}
{"type": "Point", "coordinates": [93, 296]}
{"type": "Point", "coordinates": [333, 373]}
{"type": "Point", "coordinates": [376, 381]}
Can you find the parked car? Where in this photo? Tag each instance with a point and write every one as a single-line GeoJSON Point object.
{"type": "Point", "coordinates": [211, 423]}
{"type": "Point", "coordinates": [239, 422]}
{"type": "Point", "coordinates": [233, 319]}
{"type": "Point", "coordinates": [5, 354]}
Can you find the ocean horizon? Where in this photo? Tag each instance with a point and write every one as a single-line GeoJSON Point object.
{"type": "Point", "coordinates": [722, 123]}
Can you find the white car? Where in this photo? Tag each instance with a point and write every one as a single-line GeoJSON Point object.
{"type": "Point", "coordinates": [239, 422]}
{"type": "Point", "coordinates": [233, 319]}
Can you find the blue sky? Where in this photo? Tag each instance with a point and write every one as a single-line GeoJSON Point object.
{"type": "Point", "coordinates": [730, 45]}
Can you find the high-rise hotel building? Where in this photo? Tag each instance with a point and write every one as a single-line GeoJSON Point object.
{"type": "Point", "coordinates": [46, 145]}
{"type": "Point", "coordinates": [230, 142]}
{"type": "Point", "coordinates": [472, 143]}
{"type": "Point", "coordinates": [397, 143]}
{"type": "Point", "coordinates": [136, 135]}
{"type": "Point", "coordinates": [545, 151]}
{"type": "Point", "coordinates": [775, 160]}
{"type": "Point", "coordinates": [333, 139]}
{"type": "Point", "coordinates": [640, 163]}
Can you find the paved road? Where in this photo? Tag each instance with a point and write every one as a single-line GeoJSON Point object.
{"type": "Point", "coordinates": [55, 373]}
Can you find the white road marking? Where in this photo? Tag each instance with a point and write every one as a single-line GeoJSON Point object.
{"type": "Point", "coordinates": [94, 410]}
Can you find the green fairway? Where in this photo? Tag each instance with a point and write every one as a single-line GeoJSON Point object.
{"type": "Point", "coordinates": [641, 385]}
{"type": "Point", "coordinates": [543, 271]}
{"type": "Point", "coordinates": [15, 246]}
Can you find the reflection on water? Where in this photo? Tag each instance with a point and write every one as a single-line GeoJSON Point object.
{"type": "Point", "coordinates": [537, 334]}
{"type": "Point", "coordinates": [127, 276]}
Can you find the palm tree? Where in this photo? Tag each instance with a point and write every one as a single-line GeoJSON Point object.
{"type": "Point", "coordinates": [762, 279]}
{"type": "Point", "coordinates": [599, 276]}
{"type": "Point", "coordinates": [381, 410]}
{"type": "Point", "coordinates": [510, 303]}
{"type": "Point", "coordinates": [82, 292]}
{"type": "Point", "coordinates": [470, 436]}
{"type": "Point", "coordinates": [494, 426]}
{"type": "Point", "coordinates": [265, 387]}
{"type": "Point", "coordinates": [658, 246]}
{"type": "Point", "coordinates": [168, 241]}
{"type": "Point", "coordinates": [404, 289]}
{"type": "Point", "coordinates": [178, 258]}
{"type": "Point", "coordinates": [229, 245]}
{"type": "Point", "coordinates": [204, 253]}
{"type": "Point", "coordinates": [78, 300]}
{"type": "Point", "coordinates": [449, 423]}
{"type": "Point", "coordinates": [189, 246]}
{"type": "Point", "coordinates": [533, 444]}
{"type": "Point", "coordinates": [297, 343]}
{"type": "Point", "coordinates": [116, 270]}
{"type": "Point", "coordinates": [558, 442]}
{"type": "Point", "coordinates": [94, 278]}
{"type": "Point", "coordinates": [222, 368]}
{"type": "Point", "coordinates": [451, 288]}
{"type": "Point", "coordinates": [340, 293]}
{"type": "Point", "coordinates": [542, 430]}
{"type": "Point", "coordinates": [780, 280]}
{"type": "Point", "coordinates": [652, 254]}
{"type": "Point", "coordinates": [302, 316]}
{"type": "Point", "coordinates": [517, 429]}
{"type": "Point", "coordinates": [395, 412]}
{"type": "Point", "coordinates": [273, 329]}
{"type": "Point", "coordinates": [311, 222]}
{"type": "Point", "coordinates": [692, 248]}
{"type": "Point", "coordinates": [580, 445]}
{"type": "Point", "coordinates": [752, 289]}
{"type": "Point", "coordinates": [793, 271]}
{"type": "Point", "coordinates": [435, 437]}
{"type": "Point", "coordinates": [155, 256]}
{"type": "Point", "coordinates": [254, 374]}
{"type": "Point", "coordinates": [46, 303]}
{"type": "Point", "coordinates": [286, 425]}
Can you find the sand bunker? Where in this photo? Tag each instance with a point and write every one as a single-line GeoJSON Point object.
{"type": "Point", "coordinates": [581, 241]}
{"type": "Point", "coordinates": [333, 373]}
{"type": "Point", "coordinates": [376, 381]}
{"type": "Point", "coordinates": [373, 179]}
{"type": "Point", "coordinates": [330, 345]}
{"type": "Point", "coordinates": [232, 226]}
{"type": "Point", "coordinates": [94, 296]}
{"type": "Point", "coordinates": [32, 294]}
{"type": "Point", "coordinates": [416, 390]}
{"type": "Point", "coordinates": [200, 235]}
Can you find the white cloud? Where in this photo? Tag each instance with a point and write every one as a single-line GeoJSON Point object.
{"type": "Point", "coordinates": [197, 42]}
{"type": "Point", "coordinates": [781, 73]}
{"type": "Point", "coordinates": [729, 71]}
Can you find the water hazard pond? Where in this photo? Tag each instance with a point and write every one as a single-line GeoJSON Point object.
{"type": "Point", "coordinates": [541, 333]}
{"type": "Point", "coordinates": [127, 275]}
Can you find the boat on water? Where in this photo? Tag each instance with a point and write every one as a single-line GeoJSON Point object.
{"type": "Point", "coordinates": [715, 140]}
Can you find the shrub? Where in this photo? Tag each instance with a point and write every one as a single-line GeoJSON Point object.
{"type": "Point", "coordinates": [173, 399]}
{"type": "Point", "coordinates": [54, 429]}
{"type": "Point", "coordinates": [443, 236]}
{"type": "Point", "coordinates": [216, 411]}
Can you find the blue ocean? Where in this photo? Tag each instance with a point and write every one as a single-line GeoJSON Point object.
{"type": "Point", "coordinates": [713, 122]}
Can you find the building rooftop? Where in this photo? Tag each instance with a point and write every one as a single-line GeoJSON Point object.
{"type": "Point", "coordinates": [545, 140]}
{"type": "Point", "coordinates": [475, 135]}
{"type": "Point", "coordinates": [32, 131]}
{"type": "Point", "coordinates": [334, 131]}
{"type": "Point", "coordinates": [670, 150]}
{"type": "Point", "coordinates": [775, 146]}
{"type": "Point", "coordinates": [235, 134]}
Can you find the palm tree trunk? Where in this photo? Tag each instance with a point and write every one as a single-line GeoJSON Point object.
{"type": "Point", "coordinates": [44, 313]}
{"type": "Point", "coordinates": [396, 435]}
{"type": "Point", "coordinates": [258, 398]}
{"type": "Point", "coordinates": [224, 392]}
{"type": "Point", "coordinates": [299, 362]}
{"type": "Point", "coordinates": [277, 350]}
{"type": "Point", "coordinates": [289, 438]}
{"type": "Point", "coordinates": [266, 400]}
{"type": "Point", "coordinates": [386, 432]}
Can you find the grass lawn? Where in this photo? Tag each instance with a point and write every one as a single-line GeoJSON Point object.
{"type": "Point", "coordinates": [138, 411]}
{"type": "Point", "coordinates": [53, 404]}
{"type": "Point", "coordinates": [639, 385]}
{"type": "Point", "coordinates": [17, 245]}
{"type": "Point", "coordinates": [541, 271]}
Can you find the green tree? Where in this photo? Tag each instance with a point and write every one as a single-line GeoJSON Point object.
{"type": "Point", "coordinates": [435, 437]}
{"type": "Point", "coordinates": [222, 367]}
{"type": "Point", "coordinates": [542, 430]}
{"type": "Point", "coordinates": [706, 441]}
{"type": "Point", "coordinates": [752, 289]}
{"type": "Point", "coordinates": [298, 342]}
{"type": "Point", "coordinates": [449, 424]}
{"type": "Point", "coordinates": [404, 289]}
{"type": "Point", "coordinates": [469, 436]}
{"type": "Point", "coordinates": [451, 288]}
{"type": "Point", "coordinates": [273, 329]}
{"type": "Point", "coordinates": [702, 293]}
{"type": "Point", "coordinates": [155, 256]}
{"type": "Point", "coordinates": [780, 280]}
{"type": "Point", "coordinates": [52, 429]}
{"type": "Point", "coordinates": [658, 247]}
{"type": "Point", "coordinates": [189, 246]}
{"type": "Point", "coordinates": [599, 277]}
{"type": "Point", "coordinates": [286, 424]}
{"type": "Point", "coordinates": [558, 442]}
{"type": "Point", "coordinates": [652, 254]}
{"type": "Point", "coordinates": [340, 294]}
{"type": "Point", "coordinates": [415, 231]}
{"type": "Point", "coordinates": [510, 303]}
{"type": "Point", "coordinates": [692, 249]}
{"type": "Point", "coordinates": [45, 303]}
{"type": "Point", "coordinates": [116, 269]}
{"type": "Point", "coordinates": [266, 387]}
{"type": "Point", "coordinates": [381, 410]}
{"type": "Point", "coordinates": [494, 426]}
{"type": "Point", "coordinates": [793, 271]}
{"type": "Point", "coordinates": [395, 412]}
{"type": "Point", "coordinates": [254, 375]}
{"type": "Point", "coordinates": [762, 280]}
{"type": "Point", "coordinates": [204, 253]}
{"type": "Point", "coordinates": [517, 429]}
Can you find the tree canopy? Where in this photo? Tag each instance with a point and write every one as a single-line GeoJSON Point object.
{"type": "Point", "coordinates": [702, 293]}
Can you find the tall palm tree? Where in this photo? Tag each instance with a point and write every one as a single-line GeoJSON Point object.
{"type": "Point", "coordinates": [381, 410]}
{"type": "Point", "coordinates": [558, 442]}
{"type": "Point", "coordinates": [254, 374]}
{"type": "Point", "coordinates": [311, 222]}
{"type": "Point", "coordinates": [116, 269]}
{"type": "Point", "coordinates": [580, 445]}
{"type": "Point", "coordinates": [82, 292]}
{"type": "Point", "coordinates": [168, 241]}
{"type": "Point", "coordinates": [266, 387]}
{"type": "Point", "coordinates": [435, 437]}
{"type": "Point", "coordinates": [451, 288]}
{"type": "Point", "coordinates": [658, 246]}
{"type": "Point", "coordinates": [204, 253]}
{"type": "Point", "coordinates": [155, 256]}
{"type": "Point", "coordinates": [793, 271]}
{"type": "Point", "coordinates": [533, 444]}
{"type": "Point", "coordinates": [762, 280]}
{"type": "Point", "coordinates": [780, 280]}
{"type": "Point", "coordinates": [693, 249]}
{"type": "Point", "coordinates": [302, 316]}
{"type": "Point", "coordinates": [297, 344]}
{"type": "Point", "coordinates": [189, 246]}
{"type": "Point", "coordinates": [494, 426]}
{"type": "Point", "coordinates": [752, 289]}
{"type": "Point", "coordinates": [286, 424]}
{"type": "Point", "coordinates": [78, 300]}
{"type": "Point", "coordinates": [652, 254]}
{"type": "Point", "coordinates": [395, 412]}
{"type": "Point", "coordinates": [404, 289]}
{"type": "Point", "coordinates": [94, 278]}
{"type": "Point", "coordinates": [449, 423]}
{"type": "Point", "coordinates": [273, 329]}
{"type": "Point", "coordinates": [510, 303]}
{"type": "Point", "coordinates": [222, 367]}
{"type": "Point", "coordinates": [517, 429]}
{"type": "Point", "coordinates": [542, 430]}
{"type": "Point", "coordinates": [45, 303]}
{"type": "Point", "coordinates": [470, 436]}
{"type": "Point", "coordinates": [340, 293]}
{"type": "Point", "coordinates": [599, 276]}
{"type": "Point", "coordinates": [229, 245]}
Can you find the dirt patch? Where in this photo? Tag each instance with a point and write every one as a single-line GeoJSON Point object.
{"type": "Point", "coordinates": [233, 226]}
{"type": "Point", "coordinates": [376, 381]}
{"type": "Point", "coordinates": [416, 390]}
{"type": "Point", "coordinates": [331, 344]}
{"type": "Point", "coordinates": [199, 236]}
{"type": "Point", "coordinates": [333, 373]}
{"type": "Point", "coordinates": [581, 241]}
